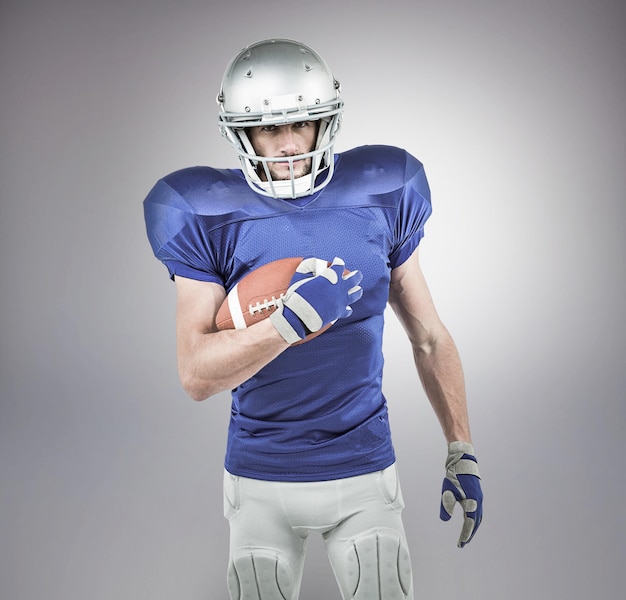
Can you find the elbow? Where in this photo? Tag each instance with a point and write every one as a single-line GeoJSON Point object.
{"type": "Point", "coordinates": [196, 388]}
{"type": "Point", "coordinates": [424, 348]}
{"type": "Point", "coordinates": [196, 394]}
{"type": "Point", "coordinates": [431, 341]}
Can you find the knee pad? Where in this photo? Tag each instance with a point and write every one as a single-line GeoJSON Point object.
{"type": "Point", "coordinates": [260, 574]}
{"type": "Point", "coordinates": [377, 567]}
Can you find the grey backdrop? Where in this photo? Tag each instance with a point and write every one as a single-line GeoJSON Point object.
{"type": "Point", "coordinates": [110, 478]}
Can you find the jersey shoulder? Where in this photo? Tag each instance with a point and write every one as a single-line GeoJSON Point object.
{"type": "Point", "coordinates": [380, 166]}
{"type": "Point", "coordinates": [179, 202]}
{"type": "Point", "coordinates": [198, 190]}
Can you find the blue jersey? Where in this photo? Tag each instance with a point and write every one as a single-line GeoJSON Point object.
{"type": "Point", "coordinates": [317, 411]}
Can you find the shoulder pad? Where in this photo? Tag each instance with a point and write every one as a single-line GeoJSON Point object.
{"type": "Point", "coordinates": [385, 168]}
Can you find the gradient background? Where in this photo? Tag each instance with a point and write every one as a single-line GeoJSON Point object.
{"type": "Point", "coordinates": [110, 478]}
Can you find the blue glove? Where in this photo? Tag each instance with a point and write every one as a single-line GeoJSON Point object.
{"type": "Point", "coordinates": [317, 296]}
{"type": "Point", "coordinates": [462, 485]}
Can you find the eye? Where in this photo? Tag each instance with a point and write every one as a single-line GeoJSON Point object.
{"type": "Point", "coordinates": [269, 128]}
{"type": "Point", "coordinates": [301, 124]}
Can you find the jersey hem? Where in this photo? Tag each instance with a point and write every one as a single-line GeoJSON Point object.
{"type": "Point", "coordinates": [309, 477]}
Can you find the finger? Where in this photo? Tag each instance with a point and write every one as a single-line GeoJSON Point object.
{"type": "Point", "coordinates": [472, 514]}
{"type": "Point", "coordinates": [355, 293]}
{"type": "Point", "coordinates": [337, 267]}
{"type": "Point", "coordinates": [312, 265]}
{"type": "Point", "coordinates": [467, 532]}
{"type": "Point", "coordinates": [346, 313]}
{"type": "Point", "coordinates": [448, 502]}
{"type": "Point", "coordinates": [355, 277]}
{"type": "Point", "coordinates": [330, 274]}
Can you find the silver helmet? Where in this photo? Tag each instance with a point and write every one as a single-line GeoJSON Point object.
{"type": "Point", "coordinates": [278, 82]}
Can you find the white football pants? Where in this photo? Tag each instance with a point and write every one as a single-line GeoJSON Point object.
{"type": "Point", "coordinates": [359, 519]}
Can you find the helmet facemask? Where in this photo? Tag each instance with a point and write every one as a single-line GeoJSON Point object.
{"type": "Point", "coordinates": [280, 82]}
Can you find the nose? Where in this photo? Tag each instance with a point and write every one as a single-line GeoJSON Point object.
{"type": "Point", "coordinates": [288, 145]}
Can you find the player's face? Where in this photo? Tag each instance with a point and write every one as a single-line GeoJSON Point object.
{"type": "Point", "coordinates": [274, 141]}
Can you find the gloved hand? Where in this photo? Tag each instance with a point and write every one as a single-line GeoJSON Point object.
{"type": "Point", "coordinates": [317, 295]}
{"type": "Point", "coordinates": [462, 484]}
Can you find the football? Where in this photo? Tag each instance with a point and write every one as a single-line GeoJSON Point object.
{"type": "Point", "coordinates": [255, 296]}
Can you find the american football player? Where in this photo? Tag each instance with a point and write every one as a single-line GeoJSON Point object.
{"type": "Point", "coordinates": [309, 445]}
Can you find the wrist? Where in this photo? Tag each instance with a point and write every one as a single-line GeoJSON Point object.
{"type": "Point", "coordinates": [287, 325]}
{"type": "Point", "coordinates": [461, 446]}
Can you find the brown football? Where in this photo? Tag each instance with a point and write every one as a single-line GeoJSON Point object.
{"type": "Point", "coordinates": [254, 297]}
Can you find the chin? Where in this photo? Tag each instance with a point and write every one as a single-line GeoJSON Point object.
{"type": "Point", "coordinates": [297, 173]}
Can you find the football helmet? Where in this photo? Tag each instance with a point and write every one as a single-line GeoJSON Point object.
{"type": "Point", "coordinates": [279, 82]}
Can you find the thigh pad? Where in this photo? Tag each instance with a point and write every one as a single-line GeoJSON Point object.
{"type": "Point", "coordinates": [260, 574]}
{"type": "Point", "coordinates": [376, 567]}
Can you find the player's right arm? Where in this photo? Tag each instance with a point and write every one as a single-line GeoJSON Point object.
{"type": "Point", "coordinates": [210, 361]}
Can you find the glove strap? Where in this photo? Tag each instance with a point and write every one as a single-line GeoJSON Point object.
{"type": "Point", "coordinates": [467, 466]}
{"type": "Point", "coordinates": [286, 329]}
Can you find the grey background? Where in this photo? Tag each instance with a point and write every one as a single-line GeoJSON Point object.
{"type": "Point", "coordinates": [110, 478]}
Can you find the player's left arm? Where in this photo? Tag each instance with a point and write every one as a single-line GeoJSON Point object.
{"type": "Point", "coordinates": [434, 351]}
{"type": "Point", "coordinates": [439, 367]}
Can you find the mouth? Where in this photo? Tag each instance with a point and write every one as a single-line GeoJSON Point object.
{"type": "Point", "coordinates": [296, 165]}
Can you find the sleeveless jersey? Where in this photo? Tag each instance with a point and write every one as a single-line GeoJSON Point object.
{"type": "Point", "coordinates": [317, 411]}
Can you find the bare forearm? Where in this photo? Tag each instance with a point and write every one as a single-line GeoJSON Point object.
{"type": "Point", "coordinates": [212, 362]}
{"type": "Point", "coordinates": [441, 373]}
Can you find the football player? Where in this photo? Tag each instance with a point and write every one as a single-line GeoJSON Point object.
{"type": "Point", "coordinates": [309, 445]}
